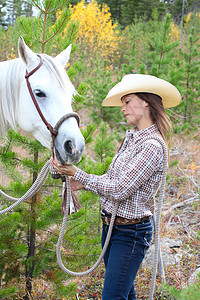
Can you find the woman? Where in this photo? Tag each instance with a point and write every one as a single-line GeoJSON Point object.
{"type": "Point", "coordinates": [133, 178]}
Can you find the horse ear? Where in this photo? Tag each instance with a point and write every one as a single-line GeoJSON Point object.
{"type": "Point", "coordinates": [26, 54]}
{"type": "Point", "coordinates": [64, 56]}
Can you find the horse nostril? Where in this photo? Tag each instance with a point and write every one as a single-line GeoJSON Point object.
{"type": "Point", "coordinates": [68, 147]}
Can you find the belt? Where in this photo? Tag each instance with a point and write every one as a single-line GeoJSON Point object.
{"type": "Point", "coordinates": [123, 221]}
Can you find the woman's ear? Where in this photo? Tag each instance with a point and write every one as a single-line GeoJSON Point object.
{"type": "Point", "coordinates": [146, 104]}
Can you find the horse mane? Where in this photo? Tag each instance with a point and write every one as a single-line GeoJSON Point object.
{"type": "Point", "coordinates": [11, 76]}
{"type": "Point", "coordinates": [9, 92]}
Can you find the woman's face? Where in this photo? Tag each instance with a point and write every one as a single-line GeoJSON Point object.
{"type": "Point", "coordinates": [136, 111]}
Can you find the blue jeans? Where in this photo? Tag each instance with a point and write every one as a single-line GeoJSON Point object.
{"type": "Point", "coordinates": [124, 255]}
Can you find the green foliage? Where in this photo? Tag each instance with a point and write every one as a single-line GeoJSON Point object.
{"type": "Point", "coordinates": [173, 163]}
{"type": "Point", "coordinates": [88, 133]}
{"type": "Point", "coordinates": [104, 146]}
{"type": "Point", "coordinates": [99, 86]}
{"type": "Point", "coordinates": [161, 49]}
{"type": "Point", "coordinates": [175, 8]}
{"type": "Point", "coordinates": [189, 292]}
{"type": "Point", "coordinates": [189, 77]}
{"type": "Point", "coordinates": [28, 244]}
{"type": "Point", "coordinates": [10, 292]}
{"type": "Point", "coordinates": [14, 9]}
{"type": "Point", "coordinates": [42, 33]}
{"type": "Point", "coordinates": [125, 11]}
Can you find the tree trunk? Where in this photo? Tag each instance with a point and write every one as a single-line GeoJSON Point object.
{"type": "Point", "coordinates": [182, 17]}
{"type": "Point", "coordinates": [31, 241]}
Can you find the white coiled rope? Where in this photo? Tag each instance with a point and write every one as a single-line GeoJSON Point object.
{"type": "Point", "coordinates": [42, 177]}
{"type": "Point", "coordinates": [31, 192]}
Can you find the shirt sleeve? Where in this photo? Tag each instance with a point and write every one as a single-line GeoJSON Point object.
{"type": "Point", "coordinates": [140, 168]}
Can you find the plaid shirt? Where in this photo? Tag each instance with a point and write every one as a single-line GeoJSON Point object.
{"type": "Point", "coordinates": [133, 177]}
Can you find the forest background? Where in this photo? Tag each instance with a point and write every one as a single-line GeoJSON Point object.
{"type": "Point", "coordinates": [110, 39]}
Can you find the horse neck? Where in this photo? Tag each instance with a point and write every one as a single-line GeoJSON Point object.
{"type": "Point", "coordinates": [10, 74]}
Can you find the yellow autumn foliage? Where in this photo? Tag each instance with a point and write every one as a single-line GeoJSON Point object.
{"type": "Point", "coordinates": [96, 33]}
{"type": "Point", "coordinates": [189, 15]}
{"type": "Point", "coordinates": [175, 33]}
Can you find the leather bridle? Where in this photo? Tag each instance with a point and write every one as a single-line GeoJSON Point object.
{"type": "Point", "coordinates": [53, 130]}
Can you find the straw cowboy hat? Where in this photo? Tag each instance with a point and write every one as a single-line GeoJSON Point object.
{"type": "Point", "coordinates": [138, 83]}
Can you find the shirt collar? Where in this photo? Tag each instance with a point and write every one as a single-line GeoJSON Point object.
{"type": "Point", "coordinates": [138, 134]}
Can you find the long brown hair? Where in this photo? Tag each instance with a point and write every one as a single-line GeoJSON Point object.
{"type": "Point", "coordinates": [158, 115]}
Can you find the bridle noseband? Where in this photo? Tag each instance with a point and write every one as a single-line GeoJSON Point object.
{"type": "Point", "coordinates": [53, 130]}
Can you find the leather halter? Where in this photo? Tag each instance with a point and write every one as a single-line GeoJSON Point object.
{"type": "Point", "coordinates": [53, 130]}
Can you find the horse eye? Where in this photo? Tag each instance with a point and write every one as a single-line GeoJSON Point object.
{"type": "Point", "coordinates": [40, 94]}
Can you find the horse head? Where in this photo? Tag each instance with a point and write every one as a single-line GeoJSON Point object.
{"type": "Point", "coordinates": [53, 91]}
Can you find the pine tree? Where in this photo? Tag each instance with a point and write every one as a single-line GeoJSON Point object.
{"type": "Point", "coordinates": [188, 73]}
{"type": "Point", "coordinates": [99, 85]}
{"type": "Point", "coordinates": [47, 37]}
{"type": "Point", "coordinates": [16, 8]}
{"type": "Point", "coordinates": [125, 11]}
{"type": "Point", "coordinates": [2, 13]}
{"type": "Point", "coordinates": [30, 256]}
{"type": "Point", "coordinates": [161, 51]}
{"type": "Point", "coordinates": [115, 8]}
{"type": "Point", "coordinates": [174, 7]}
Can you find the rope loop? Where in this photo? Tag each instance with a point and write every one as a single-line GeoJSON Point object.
{"type": "Point", "coordinates": [42, 177]}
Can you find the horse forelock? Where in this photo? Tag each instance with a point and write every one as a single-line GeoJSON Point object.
{"type": "Point", "coordinates": [10, 72]}
{"type": "Point", "coordinates": [59, 74]}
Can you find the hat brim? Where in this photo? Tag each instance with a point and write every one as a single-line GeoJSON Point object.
{"type": "Point", "coordinates": [140, 83]}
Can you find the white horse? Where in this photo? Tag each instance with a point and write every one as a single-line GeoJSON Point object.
{"type": "Point", "coordinates": [53, 92]}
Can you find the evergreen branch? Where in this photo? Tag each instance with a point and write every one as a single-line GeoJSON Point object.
{"type": "Point", "coordinates": [70, 37]}
{"type": "Point", "coordinates": [67, 241]}
{"type": "Point", "coordinates": [36, 5]}
{"type": "Point", "coordinates": [31, 37]}
{"type": "Point", "coordinates": [82, 255]}
{"type": "Point", "coordinates": [19, 238]}
{"type": "Point", "coordinates": [50, 38]}
{"type": "Point", "coordinates": [52, 185]}
{"type": "Point", "coordinates": [58, 8]}
{"type": "Point", "coordinates": [39, 247]}
{"type": "Point", "coordinates": [9, 143]}
{"type": "Point", "coordinates": [4, 226]}
{"type": "Point", "coordinates": [13, 158]}
{"type": "Point", "coordinates": [48, 6]}
{"type": "Point", "coordinates": [88, 134]}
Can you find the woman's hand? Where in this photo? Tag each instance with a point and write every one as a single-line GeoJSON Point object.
{"type": "Point", "coordinates": [65, 169]}
{"type": "Point", "coordinates": [75, 186]}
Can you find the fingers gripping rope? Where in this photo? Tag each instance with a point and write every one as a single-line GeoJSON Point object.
{"type": "Point", "coordinates": [40, 180]}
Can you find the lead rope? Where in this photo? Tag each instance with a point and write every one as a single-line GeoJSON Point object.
{"type": "Point", "coordinates": [31, 192]}
{"type": "Point", "coordinates": [116, 205]}
{"type": "Point", "coordinates": [42, 177]}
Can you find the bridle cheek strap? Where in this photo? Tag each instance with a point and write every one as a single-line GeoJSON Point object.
{"type": "Point", "coordinates": [49, 127]}
{"type": "Point", "coordinates": [53, 131]}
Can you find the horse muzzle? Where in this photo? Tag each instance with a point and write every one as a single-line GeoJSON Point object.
{"type": "Point", "coordinates": [69, 151]}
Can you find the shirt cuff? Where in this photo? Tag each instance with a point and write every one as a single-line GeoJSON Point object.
{"type": "Point", "coordinates": [80, 176]}
{"type": "Point", "coordinates": [89, 181]}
